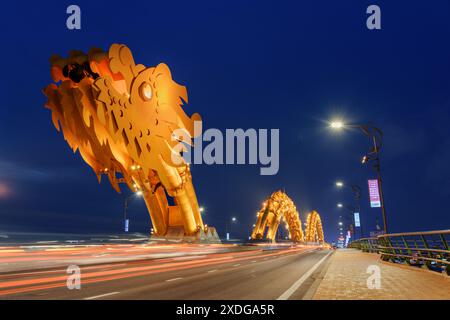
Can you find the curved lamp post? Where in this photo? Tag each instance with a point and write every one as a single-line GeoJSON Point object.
{"type": "Point", "coordinates": [376, 137]}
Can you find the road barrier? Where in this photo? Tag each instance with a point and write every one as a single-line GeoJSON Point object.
{"type": "Point", "coordinates": [422, 249]}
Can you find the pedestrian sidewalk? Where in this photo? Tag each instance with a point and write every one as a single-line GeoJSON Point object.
{"type": "Point", "coordinates": [346, 279]}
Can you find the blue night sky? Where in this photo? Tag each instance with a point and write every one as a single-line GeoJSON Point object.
{"type": "Point", "coordinates": [246, 64]}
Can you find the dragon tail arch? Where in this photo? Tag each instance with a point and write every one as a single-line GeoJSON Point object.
{"type": "Point", "coordinates": [314, 231]}
{"type": "Point", "coordinates": [277, 208]}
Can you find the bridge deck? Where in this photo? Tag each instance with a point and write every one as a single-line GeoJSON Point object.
{"type": "Point", "coordinates": [346, 278]}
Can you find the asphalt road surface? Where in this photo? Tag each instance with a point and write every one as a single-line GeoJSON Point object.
{"type": "Point", "coordinates": [257, 273]}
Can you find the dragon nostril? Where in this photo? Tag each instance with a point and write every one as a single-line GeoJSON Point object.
{"type": "Point", "coordinates": [76, 73]}
{"type": "Point", "coordinates": [65, 71]}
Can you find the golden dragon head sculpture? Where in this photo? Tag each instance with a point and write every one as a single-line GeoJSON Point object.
{"type": "Point", "coordinates": [118, 114]}
{"type": "Point", "coordinates": [121, 117]}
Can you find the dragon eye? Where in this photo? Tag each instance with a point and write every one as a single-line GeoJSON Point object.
{"type": "Point", "coordinates": [145, 91]}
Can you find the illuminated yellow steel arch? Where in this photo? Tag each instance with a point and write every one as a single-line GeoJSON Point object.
{"type": "Point", "coordinates": [314, 231]}
{"type": "Point", "coordinates": [275, 209]}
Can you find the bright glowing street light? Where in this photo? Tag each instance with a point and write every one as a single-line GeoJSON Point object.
{"type": "Point", "coordinates": [202, 209]}
{"type": "Point", "coordinates": [365, 159]}
{"type": "Point", "coordinates": [339, 184]}
{"type": "Point", "coordinates": [139, 193]}
{"type": "Point", "coordinates": [336, 125]}
{"type": "Point", "coordinates": [340, 223]}
{"type": "Point", "coordinates": [340, 205]}
{"type": "Point", "coordinates": [233, 219]}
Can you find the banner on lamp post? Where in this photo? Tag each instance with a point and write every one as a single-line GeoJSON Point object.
{"type": "Point", "coordinates": [374, 194]}
{"type": "Point", "coordinates": [357, 221]}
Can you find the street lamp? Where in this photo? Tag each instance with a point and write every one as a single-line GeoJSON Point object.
{"type": "Point", "coordinates": [233, 219]}
{"type": "Point", "coordinates": [351, 220]}
{"type": "Point", "coordinates": [357, 196]}
{"type": "Point", "coordinates": [340, 205]}
{"type": "Point", "coordinates": [376, 137]}
{"type": "Point", "coordinates": [202, 209]}
{"type": "Point", "coordinates": [337, 124]}
{"type": "Point", "coordinates": [125, 206]}
{"type": "Point", "coordinates": [339, 184]}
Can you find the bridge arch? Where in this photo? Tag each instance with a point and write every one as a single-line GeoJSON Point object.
{"type": "Point", "coordinates": [314, 231]}
{"type": "Point", "coordinates": [276, 209]}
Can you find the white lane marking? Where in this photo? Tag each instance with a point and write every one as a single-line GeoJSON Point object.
{"type": "Point", "coordinates": [253, 261]}
{"type": "Point", "coordinates": [101, 296]}
{"type": "Point", "coordinates": [302, 279]}
{"type": "Point", "coordinates": [212, 270]}
{"type": "Point", "coordinates": [237, 265]}
{"type": "Point", "coordinates": [174, 279]}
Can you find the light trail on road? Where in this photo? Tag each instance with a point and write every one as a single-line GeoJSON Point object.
{"type": "Point", "coordinates": [97, 270]}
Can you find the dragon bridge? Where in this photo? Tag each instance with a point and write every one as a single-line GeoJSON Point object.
{"type": "Point", "coordinates": [277, 208]}
{"type": "Point", "coordinates": [121, 117]}
{"type": "Point", "coordinates": [280, 208]}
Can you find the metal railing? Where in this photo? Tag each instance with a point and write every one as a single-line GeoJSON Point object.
{"type": "Point", "coordinates": [365, 245]}
{"type": "Point", "coordinates": [421, 249]}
